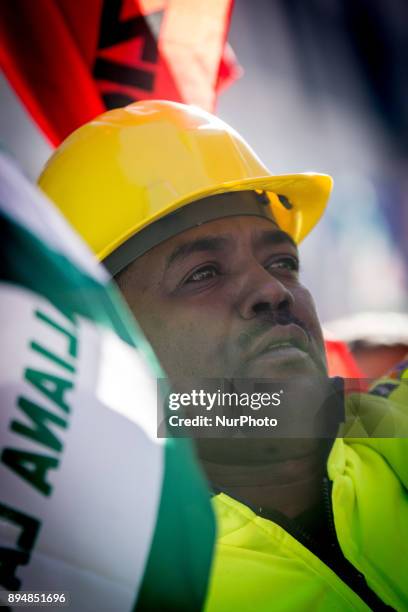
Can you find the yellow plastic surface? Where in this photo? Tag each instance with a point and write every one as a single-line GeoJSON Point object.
{"type": "Point", "coordinates": [131, 166]}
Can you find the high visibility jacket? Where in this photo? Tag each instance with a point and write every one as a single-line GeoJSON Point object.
{"type": "Point", "coordinates": [260, 567]}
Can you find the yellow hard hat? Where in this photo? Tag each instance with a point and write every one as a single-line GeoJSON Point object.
{"type": "Point", "coordinates": [132, 166]}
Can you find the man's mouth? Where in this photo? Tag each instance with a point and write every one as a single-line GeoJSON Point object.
{"type": "Point", "coordinates": [280, 338]}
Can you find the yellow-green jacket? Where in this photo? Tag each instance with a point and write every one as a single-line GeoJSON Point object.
{"type": "Point", "coordinates": [259, 567]}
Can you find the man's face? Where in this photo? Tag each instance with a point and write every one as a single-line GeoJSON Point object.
{"type": "Point", "coordinates": [224, 300]}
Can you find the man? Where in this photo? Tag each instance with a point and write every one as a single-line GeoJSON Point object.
{"type": "Point", "coordinates": [202, 240]}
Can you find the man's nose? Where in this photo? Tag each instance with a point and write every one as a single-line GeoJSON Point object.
{"type": "Point", "coordinates": [263, 293]}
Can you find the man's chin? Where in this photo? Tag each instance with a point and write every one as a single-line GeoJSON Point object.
{"type": "Point", "coordinates": [282, 364]}
{"type": "Point", "coordinates": [253, 451]}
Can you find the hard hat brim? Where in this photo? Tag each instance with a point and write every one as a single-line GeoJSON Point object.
{"type": "Point", "coordinates": [307, 195]}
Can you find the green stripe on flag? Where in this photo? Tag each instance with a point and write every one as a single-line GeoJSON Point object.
{"type": "Point", "coordinates": [176, 568]}
{"type": "Point", "coordinates": [182, 584]}
{"type": "Point", "coordinates": [27, 261]}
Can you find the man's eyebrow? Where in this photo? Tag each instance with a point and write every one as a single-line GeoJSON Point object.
{"type": "Point", "coordinates": [206, 243]}
{"type": "Point", "coordinates": [267, 237]}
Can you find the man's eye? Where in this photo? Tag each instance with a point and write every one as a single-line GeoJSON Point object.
{"type": "Point", "coordinates": [202, 274]}
{"type": "Point", "coordinates": [284, 263]}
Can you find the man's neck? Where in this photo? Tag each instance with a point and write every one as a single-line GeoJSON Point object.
{"type": "Point", "coordinates": [287, 485]}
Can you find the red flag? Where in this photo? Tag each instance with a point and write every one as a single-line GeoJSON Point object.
{"type": "Point", "coordinates": [69, 61]}
{"type": "Point", "coordinates": [340, 362]}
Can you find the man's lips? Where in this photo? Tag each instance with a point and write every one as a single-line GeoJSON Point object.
{"type": "Point", "coordinates": [280, 336]}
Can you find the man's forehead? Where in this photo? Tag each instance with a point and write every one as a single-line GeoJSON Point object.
{"type": "Point", "coordinates": [223, 235]}
{"type": "Point", "coordinates": [211, 237]}
{"type": "Point", "coordinates": [216, 207]}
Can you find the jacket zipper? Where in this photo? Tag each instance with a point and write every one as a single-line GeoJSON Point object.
{"type": "Point", "coordinates": [332, 556]}
{"type": "Point", "coordinates": [343, 568]}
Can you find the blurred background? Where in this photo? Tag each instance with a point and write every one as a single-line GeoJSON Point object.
{"type": "Point", "coordinates": [323, 86]}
